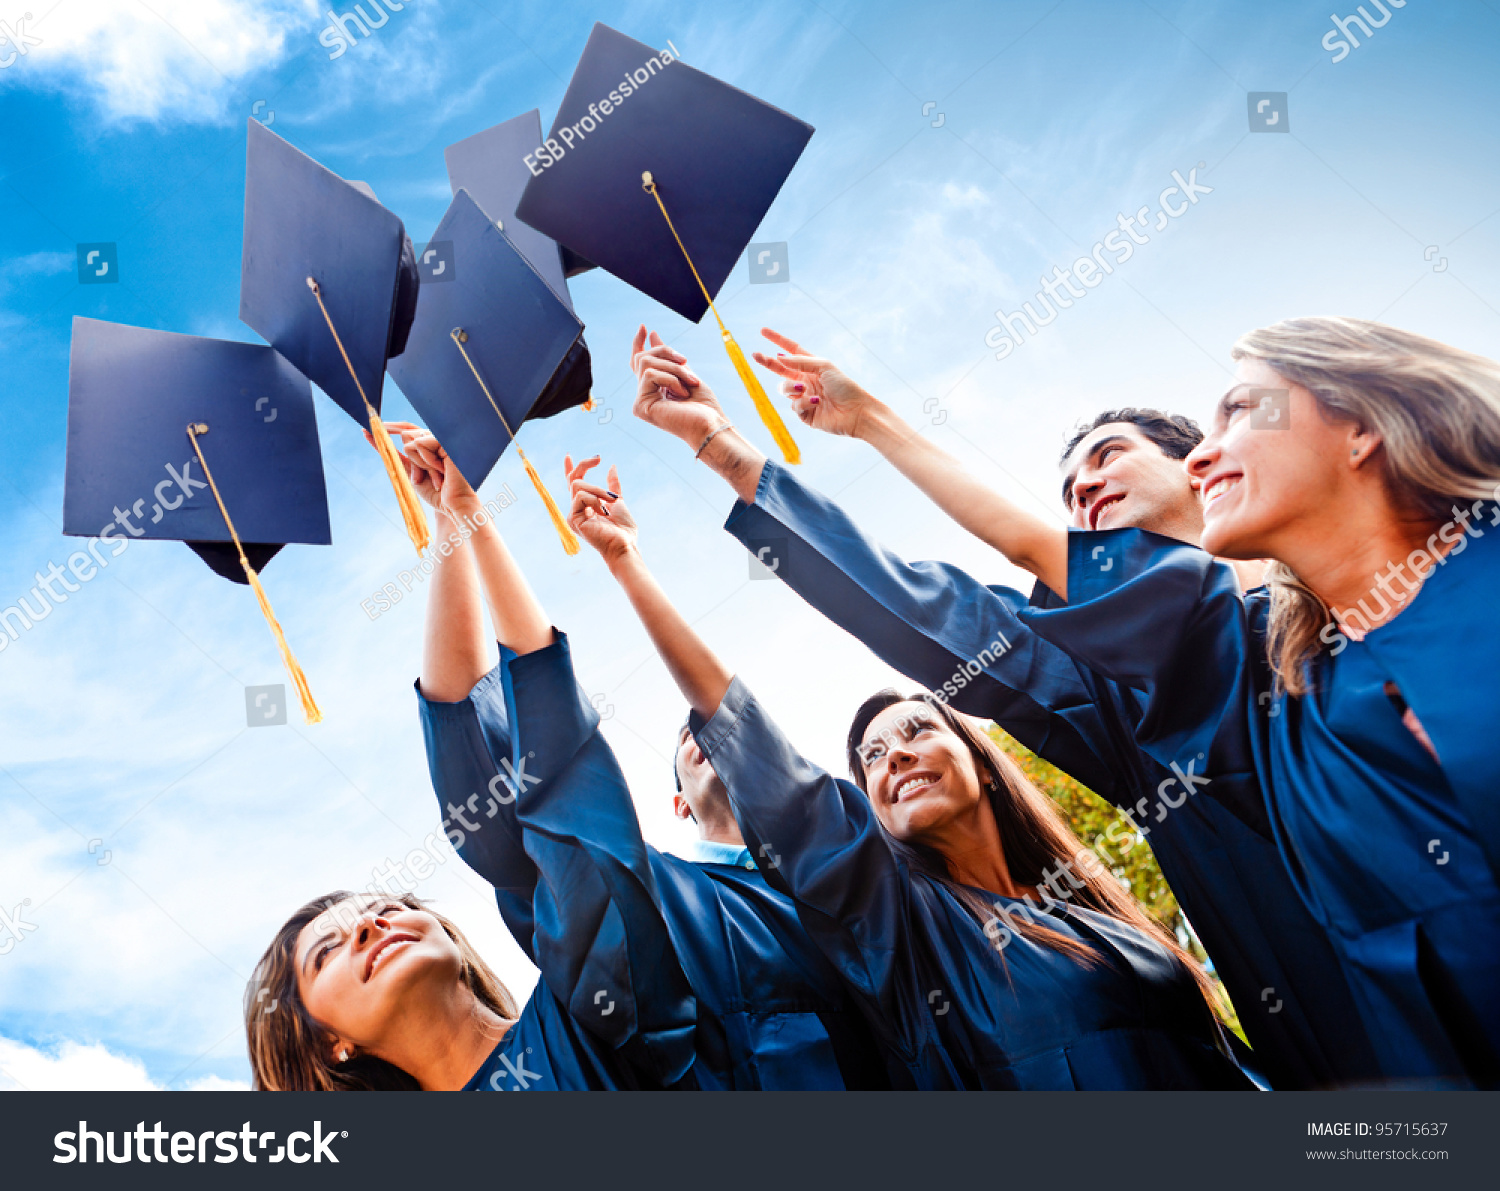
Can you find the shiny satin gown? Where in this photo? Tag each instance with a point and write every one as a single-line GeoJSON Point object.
{"type": "Point", "coordinates": [558, 836]}
{"type": "Point", "coordinates": [1394, 852]}
{"type": "Point", "coordinates": [1216, 845]}
{"type": "Point", "coordinates": [951, 1009]}
{"type": "Point", "coordinates": [613, 1008]}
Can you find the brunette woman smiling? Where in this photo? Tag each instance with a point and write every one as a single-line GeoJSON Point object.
{"type": "Point", "coordinates": [927, 892]}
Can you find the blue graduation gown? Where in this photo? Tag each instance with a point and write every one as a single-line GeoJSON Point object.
{"type": "Point", "coordinates": [546, 1050]}
{"type": "Point", "coordinates": [613, 1008]}
{"type": "Point", "coordinates": [1395, 855]}
{"type": "Point", "coordinates": [938, 625]}
{"type": "Point", "coordinates": [773, 1012]}
{"type": "Point", "coordinates": [950, 1010]}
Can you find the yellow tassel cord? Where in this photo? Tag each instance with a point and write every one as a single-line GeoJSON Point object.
{"type": "Point", "coordinates": [763, 406]}
{"type": "Point", "coordinates": [406, 495]}
{"type": "Point", "coordinates": [294, 671]}
{"type": "Point", "coordinates": [570, 543]}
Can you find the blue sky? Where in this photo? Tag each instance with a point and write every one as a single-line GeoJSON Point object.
{"type": "Point", "coordinates": [962, 151]}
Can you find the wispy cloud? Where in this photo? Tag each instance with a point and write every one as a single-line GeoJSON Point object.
{"type": "Point", "coordinates": [162, 61]}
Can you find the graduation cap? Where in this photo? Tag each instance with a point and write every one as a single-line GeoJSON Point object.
{"type": "Point", "coordinates": [145, 407]}
{"type": "Point", "coordinates": [491, 166]}
{"type": "Point", "coordinates": [493, 348]}
{"type": "Point", "coordinates": [662, 174]}
{"type": "Point", "coordinates": [329, 278]}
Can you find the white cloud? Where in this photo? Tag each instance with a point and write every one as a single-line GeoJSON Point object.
{"type": "Point", "coordinates": [38, 264]}
{"type": "Point", "coordinates": [176, 59]}
{"type": "Point", "coordinates": [70, 1067]}
{"type": "Point", "coordinates": [92, 1067]}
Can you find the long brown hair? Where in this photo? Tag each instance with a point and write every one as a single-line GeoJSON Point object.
{"type": "Point", "coordinates": [1437, 411]}
{"type": "Point", "coordinates": [1034, 835]}
{"type": "Point", "coordinates": [289, 1051]}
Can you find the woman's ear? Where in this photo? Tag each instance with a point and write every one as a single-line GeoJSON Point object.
{"type": "Point", "coordinates": [339, 1051]}
{"type": "Point", "coordinates": [1363, 442]}
{"type": "Point", "coordinates": [680, 807]}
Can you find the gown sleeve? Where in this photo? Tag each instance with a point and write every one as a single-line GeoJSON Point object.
{"type": "Point", "coordinates": [601, 941]}
{"type": "Point", "coordinates": [816, 839]}
{"type": "Point", "coordinates": [464, 741]}
{"type": "Point", "coordinates": [933, 622]}
{"type": "Point", "coordinates": [1167, 619]}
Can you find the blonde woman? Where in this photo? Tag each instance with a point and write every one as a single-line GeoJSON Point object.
{"type": "Point", "coordinates": [1363, 684]}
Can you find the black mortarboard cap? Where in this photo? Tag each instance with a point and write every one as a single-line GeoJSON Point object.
{"type": "Point", "coordinates": [203, 441]}
{"type": "Point", "coordinates": [522, 340]}
{"type": "Point", "coordinates": [492, 166]}
{"type": "Point", "coordinates": [130, 463]}
{"type": "Point", "coordinates": [718, 156]}
{"type": "Point", "coordinates": [329, 277]}
{"type": "Point", "coordinates": [301, 221]}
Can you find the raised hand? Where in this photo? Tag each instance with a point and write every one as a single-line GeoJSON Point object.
{"type": "Point", "coordinates": [670, 396]}
{"type": "Point", "coordinates": [822, 396]}
{"type": "Point", "coordinates": [598, 515]}
{"type": "Point", "coordinates": [432, 473]}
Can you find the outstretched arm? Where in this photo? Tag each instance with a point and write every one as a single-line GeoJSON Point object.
{"type": "Point", "coordinates": [600, 517]}
{"type": "Point", "coordinates": [825, 399]}
{"type": "Point", "coordinates": [520, 623]}
{"type": "Point", "coordinates": [672, 398]}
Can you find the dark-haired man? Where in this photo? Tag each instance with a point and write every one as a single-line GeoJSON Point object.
{"type": "Point", "coordinates": [1209, 828]}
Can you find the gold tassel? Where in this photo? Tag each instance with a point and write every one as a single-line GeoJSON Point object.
{"type": "Point", "coordinates": [310, 709]}
{"type": "Point", "coordinates": [406, 495]}
{"type": "Point", "coordinates": [569, 538]}
{"type": "Point", "coordinates": [294, 671]}
{"type": "Point", "coordinates": [763, 406]}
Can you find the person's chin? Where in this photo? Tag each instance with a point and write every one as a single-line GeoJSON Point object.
{"type": "Point", "coordinates": [1224, 539]}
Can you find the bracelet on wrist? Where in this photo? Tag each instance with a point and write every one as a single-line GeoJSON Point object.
{"type": "Point", "coordinates": [703, 446]}
{"type": "Point", "coordinates": [710, 438]}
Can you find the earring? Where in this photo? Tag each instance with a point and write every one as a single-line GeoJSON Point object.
{"type": "Point", "coordinates": [344, 1056]}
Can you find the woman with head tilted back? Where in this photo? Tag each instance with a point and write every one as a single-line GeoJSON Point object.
{"type": "Point", "coordinates": [984, 944]}
{"type": "Point", "coordinates": [371, 992]}
{"type": "Point", "coordinates": [1364, 682]}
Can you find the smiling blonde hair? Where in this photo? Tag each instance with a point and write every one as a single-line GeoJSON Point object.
{"type": "Point", "coordinates": [291, 1052]}
{"type": "Point", "coordinates": [1437, 411]}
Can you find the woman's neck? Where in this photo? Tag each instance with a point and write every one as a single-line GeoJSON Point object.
{"type": "Point", "coordinates": [446, 1039]}
{"type": "Point", "coordinates": [972, 849]}
{"type": "Point", "coordinates": [1368, 570]}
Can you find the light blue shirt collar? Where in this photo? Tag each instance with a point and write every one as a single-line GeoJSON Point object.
{"type": "Point", "coordinates": [702, 851]}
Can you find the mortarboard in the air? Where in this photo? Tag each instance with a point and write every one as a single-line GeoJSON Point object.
{"type": "Point", "coordinates": [329, 279]}
{"type": "Point", "coordinates": [661, 174]}
{"type": "Point", "coordinates": [491, 166]}
{"type": "Point", "coordinates": [204, 441]}
{"type": "Point", "coordinates": [489, 350]}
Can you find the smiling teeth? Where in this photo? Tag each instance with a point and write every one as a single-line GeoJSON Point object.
{"type": "Point", "coordinates": [911, 783]}
{"type": "Point", "coordinates": [385, 952]}
{"type": "Point", "coordinates": [1219, 487]}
